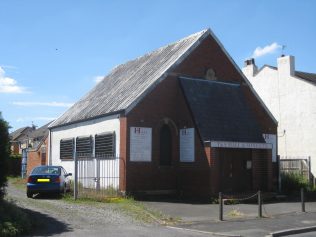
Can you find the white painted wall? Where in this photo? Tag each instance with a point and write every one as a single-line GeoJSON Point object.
{"type": "Point", "coordinates": [87, 128]}
{"type": "Point", "coordinates": [292, 102]}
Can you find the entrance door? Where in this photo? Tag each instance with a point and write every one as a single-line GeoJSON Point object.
{"type": "Point", "coordinates": [236, 170]}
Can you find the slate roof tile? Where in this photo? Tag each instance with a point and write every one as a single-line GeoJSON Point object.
{"type": "Point", "coordinates": [221, 111]}
{"type": "Point", "coordinates": [127, 82]}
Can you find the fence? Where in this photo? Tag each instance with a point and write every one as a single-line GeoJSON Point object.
{"type": "Point", "coordinates": [300, 165]}
{"type": "Point", "coordinates": [97, 175]}
{"type": "Point", "coordinates": [263, 205]}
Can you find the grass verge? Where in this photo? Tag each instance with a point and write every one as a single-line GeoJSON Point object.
{"type": "Point", "coordinates": [142, 213]}
{"type": "Point", "coordinates": [127, 205]}
{"type": "Point", "coordinates": [18, 182]}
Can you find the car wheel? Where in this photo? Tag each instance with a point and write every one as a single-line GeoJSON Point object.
{"type": "Point", "coordinates": [29, 194]}
{"type": "Point", "coordinates": [63, 191]}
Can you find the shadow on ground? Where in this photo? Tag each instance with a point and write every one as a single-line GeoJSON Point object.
{"type": "Point", "coordinates": [171, 199]}
{"type": "Point", "coordinates": [49, 196]}
{"type": "Point", "coordinates": [44, 225]}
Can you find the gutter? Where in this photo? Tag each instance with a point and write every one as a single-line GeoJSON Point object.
{"type": "Point", "coordinates": [87, 119]}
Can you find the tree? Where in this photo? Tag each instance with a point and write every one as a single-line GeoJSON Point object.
{"type": "Point", "coordinates": [4, 154]}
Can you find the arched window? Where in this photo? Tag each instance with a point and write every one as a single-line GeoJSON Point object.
{"type": "Point", "coordinates": [165, 145]}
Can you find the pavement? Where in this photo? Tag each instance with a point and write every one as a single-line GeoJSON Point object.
{"type": "Point", "coordinates": [280, 219]}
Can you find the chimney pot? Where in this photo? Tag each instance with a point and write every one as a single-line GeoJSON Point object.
{"type": "Point", "coordinates": [250, 61]}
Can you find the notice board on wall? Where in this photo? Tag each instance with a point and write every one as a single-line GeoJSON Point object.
{"type": "Point", "coordinates": [187, 145]}
{"type": "Point", "coordinates": [140, 144]}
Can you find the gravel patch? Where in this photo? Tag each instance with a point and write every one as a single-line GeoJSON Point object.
{"type": "Point", "coordinates": [84, 216]}
{"type": "Point", "coordinates": [62, 218]}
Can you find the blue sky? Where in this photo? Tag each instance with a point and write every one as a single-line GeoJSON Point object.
{"type": "Point", "coordinates": [52, 52]}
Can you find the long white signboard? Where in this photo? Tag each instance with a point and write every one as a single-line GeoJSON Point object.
{"type": "Point", "coordinates": [245, 145]}
{"type": "Point", "coordinates": [187, 145]}
{"type": "Point", "coordinates": [140, 144]}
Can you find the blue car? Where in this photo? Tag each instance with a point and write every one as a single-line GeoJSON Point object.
{"type": "Point", "coordinates": [48, 179]}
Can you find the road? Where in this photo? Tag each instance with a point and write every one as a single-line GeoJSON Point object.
{"type": "Point", "coordinates": [57, 217]}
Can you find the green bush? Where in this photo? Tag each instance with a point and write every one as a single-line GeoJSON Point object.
{"type": "Point", "coordinates": [293, 182]}
{"type": "Point", "coordinates": [14, 165]}
{"type": "Point", "coordinates": [4, 154]}
{"type": "Point", "coordinates": [16, 156]}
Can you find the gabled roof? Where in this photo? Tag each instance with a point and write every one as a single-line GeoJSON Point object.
{"type": "Point", "coordinates": [41, 132]}
{"type": "Point", "coordinates": [128, 83]}
{"type": "Point", "coordinates": [13, 135]}
{"type": "Point", "coordinates": [310, 77]}
{"type": "Point", "coordinates": [220, 111]}
{"type": "Point", "coordinates": [306, 76]}
{"type": "Point", "coordinates": [20, 133]}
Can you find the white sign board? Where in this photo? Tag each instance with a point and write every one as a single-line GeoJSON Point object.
{"type": "Point", "coordinates": [140, 144]}
{"type": "Point", "coordinates": [241, 145]}
{"type": "Point", "coordinates": [187, 145]}
{"type": "Point", "coordinates": [271, 139]}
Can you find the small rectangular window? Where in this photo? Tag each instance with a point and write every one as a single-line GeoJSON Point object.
{"type": "Point", "coordinates": [84, 147]}
{"type": "Point", "coordinates": [105, 145]}
{"type": "Point", "coordinates": [66, 149]}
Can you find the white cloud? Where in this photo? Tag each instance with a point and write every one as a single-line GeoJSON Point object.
{"type": "Point", "coordinates": [97, 79]}
{"type": "Point", "coordinates": [9, 67]}
{"type": "Point", "coordinates": [49, 104]}
{"type": "Point", "coordinates": [9, 85]}
{"type": "Point", "coordinates": [269, 49]}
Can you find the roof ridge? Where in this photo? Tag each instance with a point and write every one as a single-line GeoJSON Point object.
{"type": "Point", "coordinates": [313, 73]}
{"type": "Point", "coordinates": [200, 33]}
{"type": "Point", "coordinates": [142, 73]}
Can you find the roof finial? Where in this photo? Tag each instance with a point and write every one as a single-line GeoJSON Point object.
{"type": "Point", "coordinates": [33, 126]}
{"type": "Point", "coordinates": [283, 48]}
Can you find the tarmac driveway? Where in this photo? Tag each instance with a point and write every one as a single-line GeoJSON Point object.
{"type": "Point", "coordinates": [210, 212]}
{"type": "Point", "coordinates": [239, 220]}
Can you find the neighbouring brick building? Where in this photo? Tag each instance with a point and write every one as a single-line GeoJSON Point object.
{"type": "Point", "coordinates": [181, 118]}
{"type": "Point", "coordinates": [37, 152]}
{"type": "Point", "coordinates": [19, 139]}
{"type": "Point", "coordinates": [34, 141]}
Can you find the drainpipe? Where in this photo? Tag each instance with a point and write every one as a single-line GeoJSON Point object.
{"type": "Point", "coordinates": [50, 147]}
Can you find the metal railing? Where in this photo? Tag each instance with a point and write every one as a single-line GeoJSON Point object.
{"type": "Point", "coordinates": [97, 176]}
{"type": "Point", "coordinates": [255, 203]}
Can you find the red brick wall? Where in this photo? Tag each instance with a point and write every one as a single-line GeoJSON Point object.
{"type": "Point", "coordinates": [35, 158]}
{"type": "Point", "coordinates": [167, 101]}
{"type": "Point", "coordinates": [15, 148]}
{"type": "Point", "coordinates": [262, 170]}
{"type": "Point", "coordinates": [262, 176]}
{"type": "Point", "coordinates": [123, 153]}
{"type": "Point", "coordinates": [209, 55]}
{"type": "Point", "coordinates": [215, 170]}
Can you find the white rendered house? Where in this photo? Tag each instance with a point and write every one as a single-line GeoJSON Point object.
{"type": "Point", "coordinates": [290, 95]}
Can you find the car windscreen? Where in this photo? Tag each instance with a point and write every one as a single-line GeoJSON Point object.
{"type": "Point", "coordinates": [46, 170]}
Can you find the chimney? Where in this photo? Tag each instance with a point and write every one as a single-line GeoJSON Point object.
{"type": "Point", "coordinates": [33, 126]}
{"type": "Point", "coordinates": [250, 68]}
{"type": "Point", "coordinates": [286, 65]}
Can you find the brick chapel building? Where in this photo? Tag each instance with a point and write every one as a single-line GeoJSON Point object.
{"type": "Point", "coordinates": [181, 118]}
